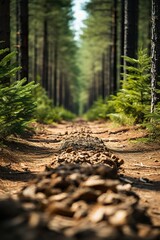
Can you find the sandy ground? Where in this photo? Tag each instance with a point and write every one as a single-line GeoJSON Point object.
{"type": "Point", "coordinates": [22, 159]}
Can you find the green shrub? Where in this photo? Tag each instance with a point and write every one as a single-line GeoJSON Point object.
{"type": "Point", "coordinates": [17, 103]}
{"type": "Point", "coordinates": [7, 68]}
{"type": "Point", "coordinates": [132, 101]}
{"type": "Point", "coordinates": [17, 107]}
{"type": "Point", "coordinates": [65, 114]}
{"type": "Point", "coordinates": [99, 110]}
{"type": "Point", "coordinates": [46, 113]}
{"type": "Point", "coordinates": [152, 122]}
{"type": "Point", "coordinates": [44, 106]}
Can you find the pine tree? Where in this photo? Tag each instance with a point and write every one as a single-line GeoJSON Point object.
{"type": "Point", "coordinates": [23, 6]}
{"type": "Point", "coordinates": [132, 102]}
{"type": "Point", "coordinates": [130, 29]}
{"type": "Point", "coordinates": [155, 51]}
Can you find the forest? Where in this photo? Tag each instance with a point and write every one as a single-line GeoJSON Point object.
{"type": "Point", "coordinates": [111, 72]}
{"type": "Point", "coordinates": [79, 120]}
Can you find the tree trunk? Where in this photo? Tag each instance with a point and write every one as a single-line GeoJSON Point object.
{"type": "Point", "coordinates": [45, 56]}
{"type": "Point", "coordinates": [4, 31]}
{"type": "Point", "coordinates": [50, 71]}
{"type": "Point", "coordinates": [18, 38]}
{"type": "Point", "coordinates": [66, 94]}
{"type": "Point", "coordinates": [155, 51]}
{"type": "Point", "coordinates": [94, 87]}
{"type": "Point", "coordinates": [122, 41]}
{"type": "Point", "coordinates": [110, 70]}
{"type": "Point", "coordinates": [115, 47]}
{"type": "Point", "coordinates": [5, 23]}
{"type": "Point", "coordinates": [55, 72]}
{"type": "Point", "coordinates": [103, 77]}
{"type": "Point", "coordinates": [24, 38]}
{"type": "Point", "coordinates": [35, 56]}
{"type": "Point", "coordinates": [131, 28]}
{"type": "Point", "coordinates": [61, 89]}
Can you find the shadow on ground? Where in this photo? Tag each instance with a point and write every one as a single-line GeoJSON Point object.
{"type": "Point", "coordinates": [7, 173]}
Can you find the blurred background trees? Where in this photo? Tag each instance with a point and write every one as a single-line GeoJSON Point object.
{"type": "Point", "coordinates": [42, 36]}
{"type": "Point", "coordinates": [75, 74]}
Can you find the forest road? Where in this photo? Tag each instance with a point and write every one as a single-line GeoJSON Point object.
{"type": "Point", "coordinates": [80, 180]}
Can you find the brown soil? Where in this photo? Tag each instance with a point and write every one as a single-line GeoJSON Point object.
{"type": "Point", "coordinates": [22, 159]}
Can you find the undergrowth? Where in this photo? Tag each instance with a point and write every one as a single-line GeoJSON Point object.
{"type": "Point", "coordinates": [132, 103]}
{"type": "Point", "coordinates": [46, 112]}
{"type": "Point", "coordinates": [99, 110]}
{"type": "Point", "coordinates": [17, 103]}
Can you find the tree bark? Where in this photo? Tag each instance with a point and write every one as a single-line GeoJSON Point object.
{"type": "Point", "coordinates": [55, 72]}
{"type": "Point", "coordinates": [155, 51]}
{"type": "Point", "coordinates": [18, 38]}
{"type": "Point", "coordinates": [115, 47]}
{"type": "Point", "coordinates": [24, 38]}
{"type": "Point", "coordinates": [122, 42]}
{"type": "Point", "coordinates": [61, 86]}
{"type": "Point", "coordinates": [35, 56]}
{"type": "Point", "coordinates": [5, 23]}
{"type": "Point", "coordinates": [103, 94]}
{"type": "Point", "coordinates": [131, 28]}
{"type": "Point", "coordinates": [45, 55]}
{"type": "Point", "coordinates": [4, 31]}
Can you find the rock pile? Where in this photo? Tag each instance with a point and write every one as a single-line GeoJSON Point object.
{"type": "Point", "coordinates": [78, 197]}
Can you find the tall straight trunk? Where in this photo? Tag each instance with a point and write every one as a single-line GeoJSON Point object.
{"type": "Point", "coordinates": [131, 28]}
{"type": "Point", "coordinates": [97, 84]}
{"type": "Point", "coordinates": [5, 23]}
{"type": "Point", "coordinates": [149, 28]}
{"type": "Point", "coordinates": [122, 41]}
{"type": "Point", "coordinates": [18, 37]}
{"type": "Point", "coordinates": [61, 88]}
{"type": "Point", "coordinates": [108, 73]}
{"type": "Point", "coordinates": [66, 94]}
{"type": "Point", "coordinates": [99, 76]}
{"type": "Point", "coordinates": [90, 98]}
{"type": "Point", "coordinates": [110, 70]}
{"type": "Point", "coordinates": [94, 87]}
{"type": "Point", "coordinates": [24, 38]}
{"type": "Point", "coordinates": [155, 51]}
{"type": "Point", "coordinates": [4, 31]}
{"type": "Point", "coordinates": [55, 100]}
{"type": "Point", "coordinates": [115, 47]}
{"type": "Point", "coordinates": [35, 56]}
{"type": "Point", "coordinates": [45, 55]}
{"type": "Point", "coordinates": [50, 72]}
{"type": "Point", "coordinates": [103, 77]}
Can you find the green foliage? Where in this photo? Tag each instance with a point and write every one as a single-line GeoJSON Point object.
{"type": "Point", "coordinates": [132, 101]}
{"type": "Point", "coordinates": [99, 110]}
{"type": "Point", "coordinates": [16, 100]}
{"type": "Point", "coordinates": [46, 113]}
{"type": "Point", "coordinates": [7, 69]}
{"type": "Point", "coordinates": [61, 43]}
{"type": "Point", "coordinates": [16, 107]}
{"type": "Point", "coordinates": [44, 106]}
{"type": "Point", "coordinates": [95, 40]}
{"type": "Point", "coordinates": [64, 114]}
{"type": "Point", "coordinates": [143, 25]}
{"type": "Point", "coordinates": [153, 122]}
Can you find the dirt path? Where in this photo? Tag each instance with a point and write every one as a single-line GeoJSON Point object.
{"type": "Point", "coordinates": [59, 147]}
